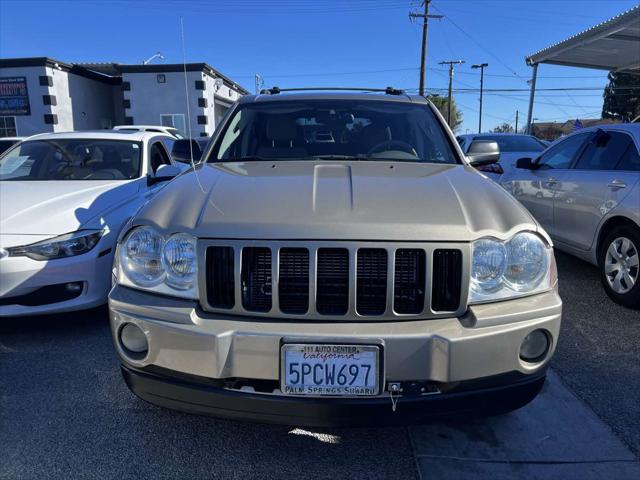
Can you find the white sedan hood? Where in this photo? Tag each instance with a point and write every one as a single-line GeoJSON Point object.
{"type": "Point", "coordinates": [52, 208]}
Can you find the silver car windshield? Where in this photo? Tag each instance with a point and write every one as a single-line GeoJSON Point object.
{"type": "Point", "coordinates": [72, 159]}
{"type": "Point", "coordinates": [333, 130]}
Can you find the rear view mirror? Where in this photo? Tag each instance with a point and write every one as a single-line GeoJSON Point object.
{"type": "Point", "coordinates": [163, 174]}
{"type": "Point", "coordinates": [483, 152]}
{"type": "Point", "coordinates": [525, 163]}
{"type": "Point", "coordinates": [183, 148]}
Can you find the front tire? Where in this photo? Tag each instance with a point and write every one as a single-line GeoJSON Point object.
{"type": "Point", "coordinates": [620, 267]}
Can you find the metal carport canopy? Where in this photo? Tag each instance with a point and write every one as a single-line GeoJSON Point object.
{"type": "Point", "coordinates": [611, 45]}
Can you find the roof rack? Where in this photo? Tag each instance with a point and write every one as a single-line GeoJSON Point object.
{"type": "Point", "coordinates": [277, 90]}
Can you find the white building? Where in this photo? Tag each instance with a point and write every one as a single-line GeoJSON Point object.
{"type": "Point", "coordinates": [45, 95]}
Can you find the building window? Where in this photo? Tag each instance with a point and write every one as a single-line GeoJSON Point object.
{"type": "Point", "coordinates": [204, 134]}
{"type": "Point", "coordinates": [200, 85]}
{"type": "Point", "coordinates": [202, 119]}
{"type": "Point", "coordinates": [175, 120]}
{"type": "Point", "coordinates": [46, 81]}
{"type": "Point", "coordinates": [161, 78]}
{"type": "Point", "coordinates": [128, 120]}
{"type": "Point", "coordinates": [202, 102]}
{"type": "Point", "coordinates": [126, 103]}
{"type": "Point", "coordinates": [49, 100]}
{"type": "Point", "coordinates": [8, 127]}
{"type": "Point", "coordinates": [126, 86]}
{"type": "Point", "coordinates": [50, 118]}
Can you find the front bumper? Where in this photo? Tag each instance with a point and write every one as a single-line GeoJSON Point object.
{"type": "Point", "coordinates": [23, 278]}
{"type": "Point", "coordinates": [493, 395]}
{"type": "Point", "coordinates": [184, 341]}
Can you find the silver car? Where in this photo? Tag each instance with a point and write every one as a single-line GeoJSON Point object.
{"type": "Point", "coordinates": [585, 191]}
{"type": "Point", "coordinates": [512, 146]}
{"type": "Point", "coordinates": [375, 278]}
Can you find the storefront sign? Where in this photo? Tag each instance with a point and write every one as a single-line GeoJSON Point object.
{"type": "Point", "coordinates": [14, 98]}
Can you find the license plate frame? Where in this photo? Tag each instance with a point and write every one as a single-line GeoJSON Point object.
{"type": "Point", "coordinates": [369, 354]}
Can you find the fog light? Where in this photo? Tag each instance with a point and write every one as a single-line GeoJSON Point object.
{"type": "Point", "coordinates": [534, 346]}
{"type": "Point", "coordinates": [133, 339]}
{"type": "Point", "coordinates": [73, 287]}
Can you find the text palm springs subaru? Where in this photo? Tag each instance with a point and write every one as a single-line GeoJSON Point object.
{"type": "Point", "coordinates": [334, 260]}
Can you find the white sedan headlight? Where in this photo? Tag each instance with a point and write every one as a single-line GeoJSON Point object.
{"type": "Point", "coordinates": [520, 266]}
{"type": "Point", "coordinates": [67, 245]}
{"type": "Point", "coordinates": [151, 261]}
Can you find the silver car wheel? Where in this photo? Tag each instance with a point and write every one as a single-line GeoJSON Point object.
{"type": "Point", "coordinates": [621, 265]}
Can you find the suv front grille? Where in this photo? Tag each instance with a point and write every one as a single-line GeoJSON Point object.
{"type": "Point", "coordinates": [371, 281]}
{"type": "Point", "coordinates": [409, 281]}
{"type": "Point", "coordinates": [334, 280]}
{"type": "Point", "coordinates": [293, 284]}
{"type": "Point", "coordinates": [256, 279]}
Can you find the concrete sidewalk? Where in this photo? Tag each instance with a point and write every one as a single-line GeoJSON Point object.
{"type": "Point", "coordinates": [555, 437]}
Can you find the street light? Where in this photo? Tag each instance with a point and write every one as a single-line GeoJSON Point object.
{"type": "Point", "coordinates": [152, 57]}
{"type": "Point", "coordinates": [481, 67]}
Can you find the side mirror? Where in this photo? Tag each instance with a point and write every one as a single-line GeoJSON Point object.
{"type": "Point", "coordinates": [483, 152]}
{"type": "Point", "coordinates": [181, 150]}
{"type": "Point", "coordinates": [163, 174]}
{"type": "Point", "coordinates": [525, 163]}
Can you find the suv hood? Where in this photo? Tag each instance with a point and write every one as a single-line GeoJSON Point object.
{"type": "Point", "coordinates": [361, 200]}
{"type": "Point", "coordinates": [56, 207]}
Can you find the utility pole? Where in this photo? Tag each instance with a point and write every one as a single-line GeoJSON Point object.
{"type": "Point", "coordinates": [425, 28]}
{"type": "Point", "coordinates": [451, 63]}
{"type": "Point", "coordinates": [481, 67]}
{"type": "Point", "coordinates": [516, 121]}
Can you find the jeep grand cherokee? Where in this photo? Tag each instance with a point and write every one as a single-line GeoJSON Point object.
{"type": "Point", "coordinates": [335, 259]}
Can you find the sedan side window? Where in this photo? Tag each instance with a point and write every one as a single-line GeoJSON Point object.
{"type": "Point", "coordinates": [561, 155]}
{"type": "Point", "coordinates": [630, 160]}
{"type": "Point", "coordinates": [604, 151]}
{"type": "Point", "coordinates": [158, 156]}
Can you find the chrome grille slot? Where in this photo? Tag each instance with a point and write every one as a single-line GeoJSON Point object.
{"type": "Point", "coordinates": [447, 280]}
{"type": "Point", "coordinates": [332, 282]}
{"type": "Point", "coordinates": [409, 281]}
{"type": "Point", "coordinates": [256, 279]}
{"type": "Point", "coordinates": [293, 280]}
{"type": "Point", "coordinates": [220, 277]}
{"type": "Point", "coordinates": [371, 281]}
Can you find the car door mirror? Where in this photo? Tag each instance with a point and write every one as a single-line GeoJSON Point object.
{"type": "Point", "coordinates": [483, 152]}
{"type": "Point", "coordinates": [525, 163]}
{"type": "Point", "coordinates": [183, 148]}
{"type": "Point", "coordinates": [163, 174]}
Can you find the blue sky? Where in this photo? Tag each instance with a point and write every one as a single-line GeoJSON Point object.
{"type": "Point", "coordinates": [368, 43]}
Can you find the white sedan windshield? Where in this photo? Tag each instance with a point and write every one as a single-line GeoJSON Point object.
{"type": "Point", "coordinates": [72, 159]}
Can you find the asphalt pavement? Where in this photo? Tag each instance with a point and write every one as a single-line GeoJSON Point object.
{"type": "Point", "coordinates": [65, 412]}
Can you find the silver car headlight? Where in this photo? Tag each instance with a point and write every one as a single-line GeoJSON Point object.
{"type": "Point", "coordinates": [67, 245]}
{"type": "Point", "coordinates": [148, 260]}
{"type": "Point", "coordinates": [523, 265]}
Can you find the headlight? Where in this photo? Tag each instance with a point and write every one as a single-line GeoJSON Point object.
{"type": "Point", "coordinates": [141, 257]}
{"type": "Point", "coordinates": [150, 261]}
{"type": "Point", "coordinates": [67, 245]}
{"type": "Point", "coordinates": [179, 261]}
{"type": "Point", "coordinates": [520, 266]}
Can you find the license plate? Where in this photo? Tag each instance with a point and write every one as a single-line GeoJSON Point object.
{"type": "Point", "coordinates": [339, 370]}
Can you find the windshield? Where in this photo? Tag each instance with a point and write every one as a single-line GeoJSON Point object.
{"type": "Point", "coordinates": [515, 143]}
{"type": "Point", "coordinates": [335, 130]}
{"type": "Point", "coordinates": [176, 133]}
{"type": "Point", "coordinates": [72, 159]}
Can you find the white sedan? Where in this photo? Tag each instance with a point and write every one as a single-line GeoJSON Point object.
{"type": "Point", "coordinates": [64, 197]}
